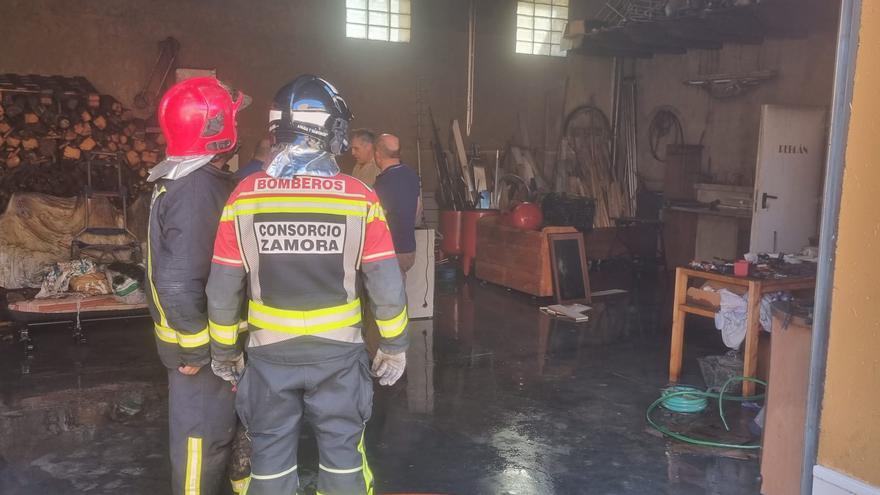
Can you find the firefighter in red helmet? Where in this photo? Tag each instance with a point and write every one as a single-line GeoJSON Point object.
{"type": "Point", "coordinates": [197, 117]}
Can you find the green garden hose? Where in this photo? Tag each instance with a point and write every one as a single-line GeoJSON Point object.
{"type": "Point", "coordinates": [691, 400]}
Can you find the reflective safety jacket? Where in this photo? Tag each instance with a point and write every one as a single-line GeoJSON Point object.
{"type": "Point", "coordinates": [298, 247]}
{"type": "Point", "coordinates": [184, 215]}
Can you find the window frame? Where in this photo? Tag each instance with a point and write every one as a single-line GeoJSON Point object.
{"type": "Point", "coordinates": [366, 18]}
{"type": "Point", "coordinates": [552, 29]}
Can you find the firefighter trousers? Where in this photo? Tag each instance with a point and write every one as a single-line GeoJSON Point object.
{"type": "Point", "coordinates": [202, 425]}
{"type": "Point", "coordinates": [335, 397]}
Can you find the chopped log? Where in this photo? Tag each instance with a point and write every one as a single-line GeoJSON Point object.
{"type": "Point", "coordinates": [13, 142]}
{"type": "Point", "coordinates": [160, 139]}
{"type": "Point", "coordinates": [4, 128]}
{"type": "Point", "coordinates": [94, 100]}
{"type": "Point", "coordinates": [31, 118]}
{"type": "Point", "coordinates": [139, 145]}
{"type": "Point", "coordinates": [13, 161]}
{"type": "Point", "coordinates": [88, 144]}
{"type": "Point", "coordinates": [130, 129]}
{"type": "Point", "coordinates": [70, 136]}
{"type": "Point", "coordinates": [100, 122]}
{"type": "Point", "coordinates": [111, 146]}
{"type": "Point", "coordinates": [85, 116]}
{"type": "Point", "coordinates": [72, 153]}
{"type": "Point", "coordinates": [123, 139]}
{"type": "Point", "coordinates": [133, 158]}
{"type": "Point", "coordinates": [30, 144]}
{"type": "Point", "coordinates": [116, 107]}
{"type": "Point", "coordinates": [82, 129]}
{"type": "Point", "coordinates": [63, 122]}
{"type": "Point", "coordinates": [150, 157]}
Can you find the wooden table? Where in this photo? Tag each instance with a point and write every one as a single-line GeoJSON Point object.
{"type": "Point", "coordinates": [757, 288]}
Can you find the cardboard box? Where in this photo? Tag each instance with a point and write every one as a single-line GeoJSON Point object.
{"type": "Point", "coordinates": [707, 295]}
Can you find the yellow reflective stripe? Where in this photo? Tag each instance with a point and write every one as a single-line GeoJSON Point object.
{"type": "Point", "coordinates": [368, 474]}
{"type": "Point", "coordinates": [305, 315]}
{"type": "Point", "coordinates": [193, 480]}
{"type": "Point", "coordinates": [238, 486]}
{"type": "Point", "coordinates": [164, 322]}
{"type": "Point", "coordinates": [304, 330]}
{"type": "Point", "coordinates": [300, 199]}
{"type": "Point", "coordinates": [393, 327]}
{"type": "Point", "coordinates": [294, 209]}
{"type": "Point", "coordinates": [376, 213]}
{"type": "Point", "coordinates": [273, 476]}
{"type": "Point", "coordinates": [224, 334]}
{"type": "Point", "coordinates": [165, 334]}
{"type": "Point", "coordinates": [228, 214]}
{"type": "Point", "coordinates": [340, 471]}
{"type": "Point", "coordinates": [194, 339]}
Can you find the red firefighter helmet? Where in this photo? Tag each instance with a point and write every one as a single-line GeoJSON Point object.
{"type": "Point", "coordinates": [526, 216]}
{"type": "Point", "coordinates": [197, 117]}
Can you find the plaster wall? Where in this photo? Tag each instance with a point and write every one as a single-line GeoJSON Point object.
{"type": "Point", "coordinates": [258, 45]}
{"type": "Point", "coordinates": [728, 128]}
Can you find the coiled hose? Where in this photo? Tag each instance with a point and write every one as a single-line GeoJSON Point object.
{"type": "Point", "coordinates": [690, 400]}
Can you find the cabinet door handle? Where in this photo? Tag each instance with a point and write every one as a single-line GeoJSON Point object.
{"type": "Point", "coordinates": [764, 198]}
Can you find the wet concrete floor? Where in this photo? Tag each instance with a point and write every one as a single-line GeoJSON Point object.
{"type": "Point", "coordinates": [498, 399]}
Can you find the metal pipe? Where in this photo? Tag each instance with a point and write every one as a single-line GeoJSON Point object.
{"type": "Point", "coordinates": [472, 42]}
{"type": "Point", "coordinates": [844, 74]}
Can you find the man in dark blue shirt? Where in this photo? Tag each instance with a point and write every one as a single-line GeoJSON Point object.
{"type": "Point", "coordinates": [261, 155]}
{"type": "Point", "coordinates": [398, 188]}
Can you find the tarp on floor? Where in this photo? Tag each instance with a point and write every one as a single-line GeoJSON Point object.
{"type": "Point", "coordinates": [37, 229]}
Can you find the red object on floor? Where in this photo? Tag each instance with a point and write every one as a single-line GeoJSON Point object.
{"type": "Point", "coordinates": [741, 268]}
{"type": "Point", "coordinates": [469, 236]}
{"type": "Point", "coordinates": [526, 216]}
{"type": "Point", "coordinates": [450, 228]}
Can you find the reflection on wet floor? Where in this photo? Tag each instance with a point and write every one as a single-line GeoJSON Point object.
{"type": "Point", "coordinates": [498, 399]}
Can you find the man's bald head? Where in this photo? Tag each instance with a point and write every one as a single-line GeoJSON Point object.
{"type": "Point", "coordinates": [387, 151]}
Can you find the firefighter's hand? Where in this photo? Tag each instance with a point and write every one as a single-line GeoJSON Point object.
{"type": "Point", "coordinates": [189, 370]}
{"type": "Point", "coordinates": [389, 367]}
{"type": "Point", "coordinates": [228, 370]}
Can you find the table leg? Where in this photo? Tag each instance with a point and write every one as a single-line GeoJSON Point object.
{"type": "Point", "coordinates": [676, 351]}
{"type": "Point", "coordinates": [753, 328]}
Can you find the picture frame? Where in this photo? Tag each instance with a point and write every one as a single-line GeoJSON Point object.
{"type": "Point", "coordinates": [569, 267]}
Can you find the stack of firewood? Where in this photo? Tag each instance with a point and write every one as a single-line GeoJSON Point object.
{"type": "Point", "coordinates": [46, 137]}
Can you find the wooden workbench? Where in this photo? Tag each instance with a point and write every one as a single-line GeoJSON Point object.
{"type": "Point", "coordinates": [757, 288]}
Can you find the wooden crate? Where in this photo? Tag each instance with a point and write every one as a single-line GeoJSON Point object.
{"type": "Point", "coordinates": [518, 259]}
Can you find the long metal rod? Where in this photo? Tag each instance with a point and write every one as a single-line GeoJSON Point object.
{"type": "Point", "coordinates": [472, 42]}
{"type": "Point", "coordinates": [844, 75]}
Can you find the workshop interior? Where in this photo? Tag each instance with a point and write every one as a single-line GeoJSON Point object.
{"type": "Point", "coordinates": [642, 260]}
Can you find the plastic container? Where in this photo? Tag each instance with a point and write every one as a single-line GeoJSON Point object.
{"type": "Point", "coordinates": [450, 228]}
{"type": "Point", "coordinates": [469, 236]}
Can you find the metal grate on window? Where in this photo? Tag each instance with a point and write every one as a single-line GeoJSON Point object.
{"type": "Point", "coordinates": [381, 20]}
{"type": "Point", "coordinates": [540, 25]}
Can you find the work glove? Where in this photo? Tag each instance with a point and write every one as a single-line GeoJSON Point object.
{"type": "Point", "coordinates": [229, 370]}
{"type": "Point", "coordinates": [388, 367]}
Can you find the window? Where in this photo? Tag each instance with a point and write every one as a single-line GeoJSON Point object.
{"type": "Point", "coordinates": [539, 26]}
{"type": "Point", "coordinates": [382, 20]}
